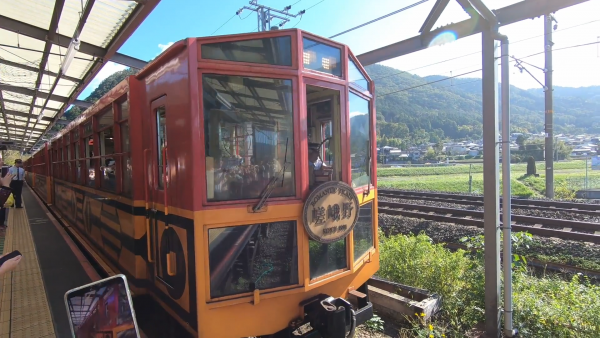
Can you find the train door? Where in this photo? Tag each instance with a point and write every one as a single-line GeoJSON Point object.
{"type": "Point", "coordinates": [325, 124]}
{"type": "Point", "coordinates": [157, 185]}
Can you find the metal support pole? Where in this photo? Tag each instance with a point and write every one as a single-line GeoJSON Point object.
{"type": "Point", "coordinates": [506, 197]}
{"type": "Point", "coordinates": [549, 109]}
{"type": "Point", "coordinates": [490, 184]}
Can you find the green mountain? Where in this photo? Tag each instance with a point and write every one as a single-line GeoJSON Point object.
{"type": "Point", "coordinates": [415, 112]}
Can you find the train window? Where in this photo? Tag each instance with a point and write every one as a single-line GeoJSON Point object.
{"type": "Point", "coordinates": [126, 159]}
{"type": "Point", "coordinates": [249, 136]}
{"type": "Point", "coordinates": [161, 139]}
{"type": "Point", "coordinates": [69, 173]}
{"type": "Point", "coordinates": [272, 51]}
{"type": "Point", "coordinates": [360, 144]}
{"type": "Point", "coordinates": [124, 110]}
{"type": "Point", "coordinates": [87, 128]}
{"type": "Point", "coordinates": [363, 231]}
{"type": "Point", "coordinates": [323, 123]}
{"type": "Point", "coordinates": [326, 258]}
{"type": "Point", "coordinates": [321, 57]}
{"type": "Point", "coordinates": [266, 259]}
{"type": "Point", "coordinates": [356, 77]}
{"type": "Point", "coordinates": [108, 163]}
{"type": "Point", "coordinates": [77, 164]}
{"type": "Point", "coordinates": [106, 119]}
{"type": "Point", "coordinates": [90, 164]}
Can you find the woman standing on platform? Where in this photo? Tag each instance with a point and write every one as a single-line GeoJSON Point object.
{"type": "Point", "coordinates": [5, 193]}
{"type": "Point", "coordinates": [6, 199]}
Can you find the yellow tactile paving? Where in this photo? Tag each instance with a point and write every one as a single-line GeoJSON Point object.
{"type": "Point", "coordinates": [24, 309]}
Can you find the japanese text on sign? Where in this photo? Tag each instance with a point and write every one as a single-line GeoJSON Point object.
{"type": "Point", "coordinates": [330, 212]}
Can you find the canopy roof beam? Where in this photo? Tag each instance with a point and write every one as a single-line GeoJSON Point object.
{"type": "Point", "coordinates": [58, 7]}
{"type": "Point", "coordinates": [526, 9]}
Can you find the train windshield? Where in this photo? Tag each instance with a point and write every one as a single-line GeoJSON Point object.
{"type": "Point", "coordinates": [248, 123]}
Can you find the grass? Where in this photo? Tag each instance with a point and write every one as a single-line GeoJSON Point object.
{"type": "Point", "coordinates": [568, 177]}
{"type": "Point", "coordinates": [475, 168]}
{"type": "Point", "coordinates": [450, 183]}
{"type": "Point", "coordinates": [543, 307]}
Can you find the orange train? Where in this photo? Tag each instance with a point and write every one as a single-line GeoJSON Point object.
{"type": "Point", "coordinates": [232, 179]}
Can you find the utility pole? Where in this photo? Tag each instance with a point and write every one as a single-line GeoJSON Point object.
{"type": "Point", "coordinates": [549, 106]}
{"type": "Point", "coordinates": [267, 14]}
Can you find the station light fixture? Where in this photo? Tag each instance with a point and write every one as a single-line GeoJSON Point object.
{"type": "Point", "coordinates": [73, 49]}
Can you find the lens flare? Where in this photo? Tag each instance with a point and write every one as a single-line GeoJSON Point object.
{"type": "Point", "coordinates": [442, 38]}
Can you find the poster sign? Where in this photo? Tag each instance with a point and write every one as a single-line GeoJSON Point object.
{"type": "Point", "coordinates": [330, 212]}
{"type": "Point", "coordinates": [596, 163]}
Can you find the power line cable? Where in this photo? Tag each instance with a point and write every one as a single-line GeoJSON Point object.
{"type": "Point", "coordinates": [428, 83]}
{"type": "Point", "coordinates": [451, 77]}
{"type": "Point", "coordinates": [380, 18]}
{"type": "Point", "coordinates": [314, 5]}
{"type": "Point", "coordinates": [223, 24]}
{"type": "Point", "coordinates": [478, 52]}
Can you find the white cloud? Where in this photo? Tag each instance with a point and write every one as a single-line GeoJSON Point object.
{"type": "Point", "coordinates": [164, 47]}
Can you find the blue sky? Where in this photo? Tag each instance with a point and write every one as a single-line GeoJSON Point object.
{"type": "Point", "coordinates": [173, 20]}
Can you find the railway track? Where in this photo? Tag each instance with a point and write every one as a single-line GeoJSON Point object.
{"type": "Point", "coordinates": [546, 227]}
{"type": "Point", "coordinates": [517, 203]}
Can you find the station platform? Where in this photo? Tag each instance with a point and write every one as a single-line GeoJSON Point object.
{"type": "Point", "coordinates": [32, 296]}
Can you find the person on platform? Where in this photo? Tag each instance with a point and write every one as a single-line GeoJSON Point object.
{"type": "Point", "coordinates": [9, 265]}
{"type": "Point", "coordinates": [17, 182]}
{"type": "Point", "coordinates": [6, 198]}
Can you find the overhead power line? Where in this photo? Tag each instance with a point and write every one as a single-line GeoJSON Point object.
{"type": "Point", "coordinates": [451, 77]}
{"type": "Point", "coordinates": [428, 83]}
{"type": "Point", "coordinates": [216, 30]}
{"type": "Point", "coordinates": [478, 52]}
{"type": "Point", "coordinates": [379, 18]}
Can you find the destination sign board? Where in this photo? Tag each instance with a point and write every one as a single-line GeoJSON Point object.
{"type": "Point", "coordinates": [330, 212]}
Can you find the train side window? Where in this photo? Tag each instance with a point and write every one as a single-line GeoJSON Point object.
{"type": "Point", "coordinates": [77, 163]}
{"type": "Point", "coordinates": [90, 164]}
{"type": "Point", "coordinates": [267, 258]}
{"type": "Point", "coordinates": [161, 139]}
{"type": "Point", "coordinates": [360, 144]}
{"type": "Point", "coordinates": [108, 163]}
{"type": "Point", "coordinates": [363, 231]}
{"type": "Point", "coordinates": [321, 57]}
{"type": "Point", "coordinates": [356, 77]}
{"type": "Point", "coordinates": [249, 136]}
{"type": "Point", "coordinates": [123, 110]}
{"type": "Point", "coordinates": [69, 175]}
{"type": "Point", "coordinates": [126, 168]}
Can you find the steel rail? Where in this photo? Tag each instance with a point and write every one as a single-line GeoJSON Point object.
{"type": "Point", "coordinates": [536, 228]}
{"type": "Point", "coordinates": [469, 199]}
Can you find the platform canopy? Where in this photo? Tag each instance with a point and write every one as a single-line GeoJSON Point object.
{"type": "Point", "coordinates": [50, 51]}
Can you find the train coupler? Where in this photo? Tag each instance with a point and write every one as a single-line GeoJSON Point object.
{"type": "Point", "coordinates": [328, 317]}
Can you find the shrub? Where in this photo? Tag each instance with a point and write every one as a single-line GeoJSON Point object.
{"type": "Point", "coordinates": [551, 307]}
{"type": "Point", "coordinates": [543, 307]}
{"type": "Point", "coordinates": [458, 279]}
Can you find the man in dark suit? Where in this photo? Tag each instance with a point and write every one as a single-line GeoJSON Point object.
{"type": "Point", "coordinates": [17, 182]}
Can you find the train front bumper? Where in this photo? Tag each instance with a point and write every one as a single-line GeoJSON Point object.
{"type": "Point", "coordinates": [328, 317]}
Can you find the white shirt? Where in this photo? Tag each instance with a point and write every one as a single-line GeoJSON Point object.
{"type": "Point", "coordinates": [317, 164]}
{"type": "Point", "coordinates": [18, 172]}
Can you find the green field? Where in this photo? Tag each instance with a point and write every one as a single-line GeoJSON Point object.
{"type": "Point", "coordinates": [568, 177]}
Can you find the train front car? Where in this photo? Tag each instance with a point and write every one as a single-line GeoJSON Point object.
{"type": "Point", "coordinates": [289, 209]}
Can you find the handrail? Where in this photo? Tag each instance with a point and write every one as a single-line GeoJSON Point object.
{"type": "Point", "coordinates": [148, 240]}
{"type": "Point", "coordinates": [165, 178]}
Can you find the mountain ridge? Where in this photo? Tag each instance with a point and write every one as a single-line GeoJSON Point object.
{"type": "Point", "coordinates": [412, 110]}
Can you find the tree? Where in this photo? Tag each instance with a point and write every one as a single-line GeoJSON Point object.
{"type": "Point", "coordinates": [521, 142]}
{"type": "Point", "coordinates": [430, 155]}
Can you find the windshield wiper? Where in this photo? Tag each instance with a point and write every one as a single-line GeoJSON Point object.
{"type": "Point", "coordinates": [266, 192]}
